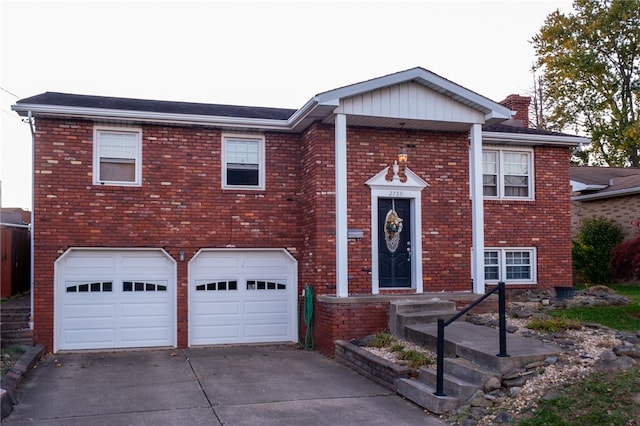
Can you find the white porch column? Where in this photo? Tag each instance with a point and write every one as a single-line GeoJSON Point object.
{"type": "Point", "coordinates": [477, 210]}
{"type": "Point", "coordinates": [342, 277]}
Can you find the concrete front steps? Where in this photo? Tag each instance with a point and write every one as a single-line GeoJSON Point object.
{"type": "Point", "coordinates": [470, 360]}
{"type": "Point", "coordinates": [403, 313]}
{"type": "Point", "coordinates": [470, 353]}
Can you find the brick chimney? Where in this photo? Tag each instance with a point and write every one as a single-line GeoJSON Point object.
{"type": "Point", "coordinates": [519, 104]}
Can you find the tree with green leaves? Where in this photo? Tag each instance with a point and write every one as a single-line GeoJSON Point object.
{"type": "Point", "coordinates": [590, 65]}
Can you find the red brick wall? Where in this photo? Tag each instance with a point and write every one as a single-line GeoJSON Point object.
{"type": "Point", "coordinates": [336, 321]}
{"type": "Point", "coordinates": [439, 158]}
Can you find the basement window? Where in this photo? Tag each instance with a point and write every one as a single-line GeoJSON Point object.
{"type": "Point", "coordinates": [510, 265]}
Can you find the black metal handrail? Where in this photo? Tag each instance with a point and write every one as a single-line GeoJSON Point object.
{"type": "Point", "coordinates": [502, 323]}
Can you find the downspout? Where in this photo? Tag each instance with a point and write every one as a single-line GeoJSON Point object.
{"type": "Point", "coordinates": [33, 195]}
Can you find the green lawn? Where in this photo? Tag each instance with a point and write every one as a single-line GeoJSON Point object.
{"type": "Point", "coordinates": [623, 318]}
{"type": "Point", "coordinates": [599, 399]}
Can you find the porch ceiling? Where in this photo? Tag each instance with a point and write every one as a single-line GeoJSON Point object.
{"type": "Point", "coordinates": [401, 123]}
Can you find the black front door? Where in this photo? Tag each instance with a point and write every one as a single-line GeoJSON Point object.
{"type": "Point", "coordinates": [394, 242]}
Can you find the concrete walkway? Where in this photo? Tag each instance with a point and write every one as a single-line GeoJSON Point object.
{"type": "Point", "coordinates": [241, 385]}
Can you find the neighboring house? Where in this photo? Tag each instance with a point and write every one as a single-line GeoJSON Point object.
{"type": "Point", "coordinates": [610, 192]}
{"type": "Point", "coordinates": [15, 251]}
{"type": "Point", "coordinates": [179, 224]}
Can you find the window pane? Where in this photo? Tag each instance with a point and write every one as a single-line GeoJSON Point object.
{"type": "Point", "coordinates": [491, 268]}
{"type": "Point", "coordinates": [242, 176]}
{"type": "Point", "coordinates": [516, 163]}
{"type": "Point", "coordinates": [112, 170]}
{"type": "Point", "coordinates": [518, 265]}
{"type": "Point", "coordinates": [243, 151]}
{"type": "Point", "coordinates": [118, 145]}
{"type": "Point", "coordinates": [489, 163]}
{"type": "Point", "coordinates": [516, 170]}
{"type": "Point", "coordinates": [489, 185]}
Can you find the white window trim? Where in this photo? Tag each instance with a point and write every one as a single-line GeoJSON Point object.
{"type": "Point", "coordinates": [96, 156]}
{"type": "Point", "coordinates": [502, 264]}
{"type": "Point", "coordinates": [261, 161]}
{"type": "Point", "coordinates": [500, 162]}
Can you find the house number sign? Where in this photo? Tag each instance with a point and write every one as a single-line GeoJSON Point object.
{"type": "Point", "coordinates": [395, 194]}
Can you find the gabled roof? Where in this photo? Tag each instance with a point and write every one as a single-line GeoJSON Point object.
{"type": "Point", "coordinates": [494, 112]}
{"type": "Point", "coordinates": [604, 182]}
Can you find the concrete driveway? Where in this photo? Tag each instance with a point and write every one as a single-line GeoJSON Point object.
{"type": "Point", "coordinates": [241, 385]}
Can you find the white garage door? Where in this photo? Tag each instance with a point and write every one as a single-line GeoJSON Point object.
{"type": "Point", "coordinates": [114, 299]}
{"type": "Point", "coordinates": [242, 296]}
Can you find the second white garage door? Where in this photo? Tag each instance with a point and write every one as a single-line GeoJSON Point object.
{"type": "Point", "coordinates": [242, 296]}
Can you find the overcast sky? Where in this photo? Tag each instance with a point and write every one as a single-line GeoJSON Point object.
{"type": "Point", "coordinates": [259, 53]}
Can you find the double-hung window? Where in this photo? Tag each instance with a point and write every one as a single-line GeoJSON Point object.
{"type": "Point", "coordinates": [243, 162]}
{"type": "Point", "coordinates": [511, 265]}
{"type": "Point", "coordinates": [117, 156]}
{"type": "Point", "coordinates": [507, 174]}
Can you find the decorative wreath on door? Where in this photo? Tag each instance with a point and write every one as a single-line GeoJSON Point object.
{"type": "Point", "coordinates": [392, 230]}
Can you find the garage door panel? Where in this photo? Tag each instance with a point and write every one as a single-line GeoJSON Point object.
{"type": "Point", "coordinates": [132, 261]}
{"type": "Point", "coordinates": [153, 310]}
{"type": "Point", "coordinates": [270, 331]}
{"type": "Point", "coordinates": [261, 307]}
{"type": "Point", "coordinates": [115, 299]}
{"type": "Point", "coordinates": [153, 336]}
{"type": "Point", "coordinates": [98, 338]}
{"type": "Point", "coordinates": [212, 334]}
{"type": "Point", "coordinates": [212, 309]}
{"type": "Point", "coordinates": [98, 310]}
{"type": "Point", "coordinates": [86, 261]}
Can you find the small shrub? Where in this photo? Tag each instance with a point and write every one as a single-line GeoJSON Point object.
{"type": "Point", "coordinates": [553, 325]}
{"type": "Point", "coordinates": [591, 250]}
{"type": "Point", "coordinates": [625, 260]}
{"type": "Point", "coordinates": [415, 359]}
{"type": "Point", "coordinates": [397, 347]}
{"type": "Point", "coordinates": [382, 339]}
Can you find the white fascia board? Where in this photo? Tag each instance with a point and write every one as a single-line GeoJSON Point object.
{"type": "Point", "coordinates": [155, 117]}
{"type": "Point", "coordinates": [530, 139]}
{"type": "Point", "coordinates": [609, 194]}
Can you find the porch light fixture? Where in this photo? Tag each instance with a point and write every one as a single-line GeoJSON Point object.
{"type": "Point", "coordinates": [181, 255]}
{"type": "Point", "coordinates": [403, 156]}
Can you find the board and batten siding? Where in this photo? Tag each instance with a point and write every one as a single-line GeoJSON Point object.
{"type": "Point", "coordinates": [410, 101]}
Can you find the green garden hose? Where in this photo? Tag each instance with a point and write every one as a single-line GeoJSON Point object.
{"type": "Point", "coordinates": [307, 298]}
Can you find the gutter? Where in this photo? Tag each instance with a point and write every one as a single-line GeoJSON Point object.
{"type": "Point", "coordinates": [528, 139]}
{"type": "Point", "coordinates": [15, 225]}
{"type": "Point", "coordinates": [609, 194]}
{"type": "Point", "coordinates": [156, 117]}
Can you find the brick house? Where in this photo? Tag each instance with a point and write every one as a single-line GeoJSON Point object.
{"type": "Point", "coordinates": [179, 224]}
{"type": "Point", "coordinates": [610, 192]}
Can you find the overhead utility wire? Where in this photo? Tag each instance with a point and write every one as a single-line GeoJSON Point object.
{"type": "Point", "coordinates": [12, 94]}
